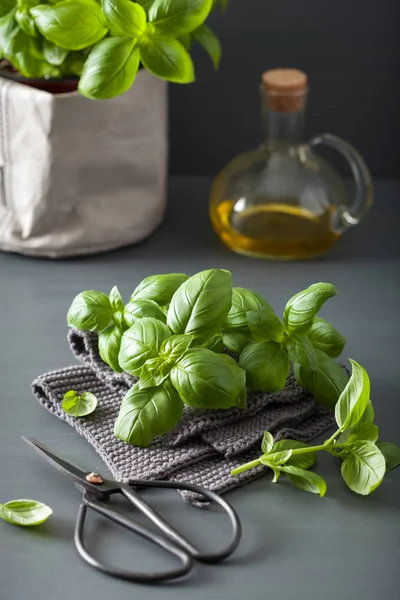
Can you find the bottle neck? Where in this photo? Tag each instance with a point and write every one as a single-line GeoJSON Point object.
{"type": "Point", "coordinates": [283, 129]}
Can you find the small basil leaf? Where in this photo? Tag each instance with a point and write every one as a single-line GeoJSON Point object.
{"type": "Point", "coordinates": [201, 304]}
{"type": "Point", "coordinates": [166, 58]}
{"type": "Point", "coordinates": [109, 346]}
{"type": "Point", "coordinates": [90, 311]}
{"type": "Point", "coordinates": [25, 513]}
{"type": "Point", "coordinates": [79, 406]}
{"type": "Point", "coordinates": [362, 431]}
{"type": "Point", "coordinates": [276, 458]}
{"type": "Point", "coordinates": [236, 340]}
{"type": "Point", "coordinates": [303, 461]}
{"type": "Point", "coordinates": [303, 307]}
{"type": "Point", "coordinates": [204, 380]}
{"type": "Point", "coordinates": [178, 17]}
{"type": "Point", "coordinates": [364, 468]}
{"type": "Point", "coordinates": [305, 480]}
{"type": "Point", "coordinates": [70, 394]}
{"type": "Point", "coordinates": [326, 383]}
{"type": "Point", "coordinates": [141, 342]}
{"type": "Point", "coordinates": [125, 18]}
{"type": "Point", "coordinates": [243, 301]}
{"type": "Point", "coordinates": [138, 309]}
{"type": "Point", "coordinates": [154, 372]}
{"type": "Point", "coordinates": [147, 414]}
{"type": "Point", "coordinates": [72, 24]}
{"type": "Point", "coordinates": [175, 347]}
{"type": "Point", "coordinates": [266, 365]}
{"type": "Point", "coordinates": [302, 352]}
{"type": "Point", "coordinates": [326, 338]}
{"type": "Point", "coordinates": [209, 41]}
{"type": "Point", "coordinates": [267, 442]}
{"type": "Point", "coordinates": [214, 343]}
{"type": "Point", "coordinates": [240, 375]}
{"type": "Point", "coordinates": [265, 326]}
{"type": "Point", "coordinates": [53, 53]}
{"type": "Point", "coordinates": [391, 452]}
{"type": "Point", "coordinates": [354, 399]}
{"type": "Point", "coordinates": [116, 301]}
{"type": "Point", "coordinates": [110, 69]}
{"type": "Point", "coordinates": [26, 22]}
{"type": "Point", "coordinates": [159, 288]}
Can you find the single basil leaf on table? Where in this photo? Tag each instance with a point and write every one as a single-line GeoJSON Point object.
{"type": "Point", "coordinates": [266, 365]}
{"type": "Point", "coordinates": [364, 468]}
{"type": "Point", "coordinates": [110, 69]}
{"type": "Point", "coordinates": [53, 54]}
{"type": "Point", "coordinates": [325, 383]}
{"type": "Point", "coordinates": [125, 18]}
{"type": "Point", "coordinates": [178, 17]}
{"type": "Point", "coordinates": [301, 310]}
{"type": "Point", "coordinates": [265, 326]}
{"type": "Point", "coordinates": [391, 452]}
{"type": "Point", "coordinates": [25, 513]}
{"type": "Point", "coordinates": [354, 399]}
{"type": "Point", "coordinates": [201, 305]}
{"type": "Point", "coordinates": [71, 24]}
{"type": "Point", "coordinates": [204, 380]}
{"type": "Point", "coordinates": [215, 343]}
{"type": "Point", "coordinates": [90, 311]}
{"type": "Point", "coordinates": [325, 337]}
{"type": "Point", "coordinates": [109, 346]}
{"type": "Point", "coordinates": [159, 288]}
{"type": "Point", "coordinates": [236, 340]}
{"type": "Point", "coordinates": [243, 301]}
{"type": "Point", "coordinates": [303, 461]}
{"type": "Point", "coordinates": [267, 442]}
{"type": "Point", "coordinates": [141, 342]}
{"type": "Point", "coordinates": [276, 458]}
{"type": "Point", "coordinates": [138, 309]}
{"type": "Point", "coordinates": [240, 376]}
{"type": "Point", "coordinates": [116, 300]}
{"type": "Point", "coordinates": [305, 480]}
{"type": "Point", "coordinates": [175, 347]}
{"type": "Point", "coordinates": [362, 431]}
{"type": "Point", "coordinates": [209, 41]}
{"type": "Point", "coordinates": [154, 372]}
{"type": "Point", "coordinates": [148, 413]}
{"type": "Point", "coordinates": [79, 405]}
{"type": "Point", "coordinates": [301, 352]}
{"type": "Point", "coordinates": [167, 59]}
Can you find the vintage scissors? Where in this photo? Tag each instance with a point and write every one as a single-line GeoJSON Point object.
{"type": "Point", "coordinates": [97, 490]}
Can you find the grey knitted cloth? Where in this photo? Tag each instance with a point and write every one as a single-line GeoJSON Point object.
{"type": "Point", "coordinates": [204, 447]}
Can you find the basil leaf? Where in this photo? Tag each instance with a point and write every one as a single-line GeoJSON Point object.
{"type": "Point", "coordinates": [154, 372]}
{"type": "Point", "coordinates": [25, 513]}
{"type": "Point", "coordinates": [364, 468]}
{"type": "Point", "coordinates": [243, 301]}
{"type": "Point", "coordinates": [236, 340]}
{"type": "Point", "coordinates": [72, 24]}
{"type": "Point", "coordinates": [26, 22]}
{"type": "Point", "coordinates": [303, 307]}
{"type": "Point", "coordinates": [267, 442]}
{"type": "Point", "coordinates": [214, 343]}
{"type": "Point", "coordinates": [110, 69]}
{"type": "Point", "coordinates": [116, 299]}
{"type": "Point", "coordinates": [90, 311]}
{"type": "Point", "coordinates": [326, 338]}
{"type": "Point", "coordinates": [79, 406]}
{"type": "Point", "coordinates": [240, 375]}
{"type": "Point", "coordinates": [141, 342]}
{"type": "Point", "coordinates": [201, 304]}
{"type": "Point", "coordinates": [175, 347]}
{"type": "Point", "coordinates": [265, 326]}
{"type": "Point", "coordinates": [391, 452]}
{"type": "Point", "coordinates": [178, 17]}
{"type": "Point", "coordinates": [326, 383]}
{"type": "Point", "coordinates": [369, 414]}
{"type": "Point", "coordinates": [276, 458]}
{"type": "Point", "coordinates": [204, 380]}
{"type": "Point", "coordinates": [125, 18]}
{"type": "Point", "coordinates": [9, 34]}
{"type": "Point", "coordinates": [209, 41]}
{"type": "Point", "coordinates": [53, 53]}
{"type": "Point", "coordinates": [166, 58]}
{"type": "Point", "coordinates": [305, 480]}
{"type": "Point", "coordinates": [302, 352]}
{"type": "Point", "coordinates": [159, 288]}
{"type": "Point", "coordinates": [28, 59]}
{"type": "Point", "coordinates": [362, 431]}
{"type": "Point", "coordinates": [354, 399]}
{"type": "Point", "coordinates": [138, 309]}
{"type": "Point", "coordinates": [6, 7]}
{"type": "Point", "coordinates": [303, 461]}
{"type": "Point", "coordinates": [146, 414]}
{"type": "Point", "coordinates": [266, 365]}
{"type": "Point", "coordinates": [109, 346]}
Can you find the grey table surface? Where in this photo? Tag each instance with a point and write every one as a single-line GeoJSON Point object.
{"type": "Point", "coordinates": [295, 545]}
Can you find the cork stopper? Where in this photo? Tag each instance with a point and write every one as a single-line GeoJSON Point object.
{"type": "Point", "coordinates": [286, 89]}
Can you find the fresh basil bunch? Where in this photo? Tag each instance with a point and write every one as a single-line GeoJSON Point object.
{"type": "Point", "coordinates": [364, 459]}
{"type": "Point", "coordinates": [104, 42]}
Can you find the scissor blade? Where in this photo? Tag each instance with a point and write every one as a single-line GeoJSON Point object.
{"type": "Point", "coordinates": [62, 465]}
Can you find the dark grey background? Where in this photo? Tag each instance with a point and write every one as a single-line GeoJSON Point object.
{"type": "Point", "coordinates": [350, 50]}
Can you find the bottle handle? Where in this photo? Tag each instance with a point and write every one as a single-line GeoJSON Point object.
{"type": "Point", "coordinates": [350, 215]}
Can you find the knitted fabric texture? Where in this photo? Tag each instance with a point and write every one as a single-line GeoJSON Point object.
{"type": "Point", "coordinates": [204, 447]}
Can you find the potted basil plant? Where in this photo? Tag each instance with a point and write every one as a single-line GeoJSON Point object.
{"type": "Point", "coordinates": [94, 173]}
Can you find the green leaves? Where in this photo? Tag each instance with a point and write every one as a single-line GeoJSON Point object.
{"type": "Point", "coordinates": [167, 58]}
{"type": "Point", "coordinates": [25, 513]}
{"type": "Point", "coordinates": [242, 302]}
{"type": "Point", "coordinates": [159, 288]}
{"type": "Point", "coordinates": [391, 452]}
{"type": "Point", "coordinates": [177, 17]}
{"type": "Point", "coordinates": [140, 343]}
{"type": "Point", "coordinates": [267, 442]}
{"type": "Point", "coordinates": [303, 461]}
{"type": "Point", "coordinates": [305, 480]}
{"type": "Point", "coordinates": [363, 469]}
{"type": "Point", "coordinates": [267, 366]}
{"type": "Point", "coordinates": [6, 7]}
{"type": "Point", "coordinates": [109, 346]}
{"type": "Point", "coordinates": [79, 405]}
{"type": "Point", "coordinates": [148, 413]}
{"type": "Point", "coordinates": [265, 326]}
{"type": "Point", "coordinates": [209, 41]}
{"type": "Point", "coordinates": [326, 338]}
{"type": "Point", "coordinates": [354, 399]}
{"type": "Point", "coordinates": [125, 18]}
{"type": "Point", "coordinates": [90, 311]}
{"type": "Point", "coordinates": [301, 352]}
{"type": "Point", "coordinates": [71, 24]}
{"type": "Point", "coordinates": [176, 347]}
{"type": "Point", "coordinates": [138, 309]}
{"type": "Point", "coordinates": [303, 307]}
{"type": "Point", "coordinates": [201, 304]}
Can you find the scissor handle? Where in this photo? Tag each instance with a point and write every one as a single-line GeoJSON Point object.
{"type": "Point", "coordinates": [184, 557]}
{"type": "Point", "coordinates": [212, 557]}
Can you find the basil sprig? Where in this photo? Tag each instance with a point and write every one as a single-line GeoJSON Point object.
{"type": "Point", "coordinates": [364, 461]}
